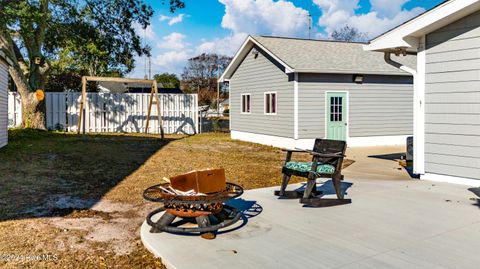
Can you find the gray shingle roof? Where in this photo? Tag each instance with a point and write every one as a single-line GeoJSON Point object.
{"type": "Point", "coordinates": [321, 56]}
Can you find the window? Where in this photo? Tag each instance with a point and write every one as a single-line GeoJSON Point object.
{"type": "Point", "coordinates": [246, 103]}
{"type": "Point", "coordinates": [271, 103]}
{"type": "Point", "coordinates": [336, 108]}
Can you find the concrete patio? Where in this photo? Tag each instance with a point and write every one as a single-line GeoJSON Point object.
{"type": "Point", "coordinates": [393, 222]}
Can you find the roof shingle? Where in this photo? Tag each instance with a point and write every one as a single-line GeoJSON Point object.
{"type": "Point", "coordinates": [320, 56]}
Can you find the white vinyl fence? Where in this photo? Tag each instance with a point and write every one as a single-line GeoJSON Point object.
{"type": "Point", "coordinates": [14, 110]}
{"type": "Point", "coordinates": [121, 112]}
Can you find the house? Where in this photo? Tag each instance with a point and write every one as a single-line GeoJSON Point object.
{"type": "Point", "coordinates": [4, 63]}
{"type": "Point", "coordinates": [446, 40]}
{"type": "Point", "coordinates": [224, 105]}
{"type": "Point", "coordinates": [286, 92]}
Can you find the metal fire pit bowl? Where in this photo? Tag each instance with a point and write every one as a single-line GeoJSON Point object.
{"type": "Point", "coordinates": [208, 211]}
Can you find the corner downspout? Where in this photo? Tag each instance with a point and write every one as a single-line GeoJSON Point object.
{"type": "Point", "coordinates": [418, 112]}
{"type": "Point", "coordinates": [388, 59]}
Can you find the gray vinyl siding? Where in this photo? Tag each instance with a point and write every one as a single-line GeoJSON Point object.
{"type": "Point", "coordinates": [257, 76]}
{"type": "Point", "coordinates": [452, 99]}
{"type": "Point", "coordinates": [3, 104]}
{"type": "Point", "coordinates": [381, 106]}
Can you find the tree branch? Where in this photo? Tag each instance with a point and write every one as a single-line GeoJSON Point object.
{"type": "Point", "coordinates": [19, 58]}
{"type": "Point", "coordinates": [10, 48]}
{"type": "Point", "coordinates": [42, 23]}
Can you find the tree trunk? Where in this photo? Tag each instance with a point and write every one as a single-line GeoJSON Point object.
{"type": "Point", "coordinates": [33, 111]}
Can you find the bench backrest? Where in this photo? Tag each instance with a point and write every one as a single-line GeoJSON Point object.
{"type": "Point", "coordinates": [328, 146]}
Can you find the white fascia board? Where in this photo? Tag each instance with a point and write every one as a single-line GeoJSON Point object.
{"type": "Point", "coordinates": [351, 72]}
{"type": "Point", "coordinates": [408, 34]}
{"type": "Point", "coordinates": [288, 69]}
{"type": "Point", "coordinates": [236, 59]}
{"type": "Point", "coordinates": [243, 51]}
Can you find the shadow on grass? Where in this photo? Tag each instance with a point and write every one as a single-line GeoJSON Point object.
{"type": "Point", "coordinates": [45, 174]}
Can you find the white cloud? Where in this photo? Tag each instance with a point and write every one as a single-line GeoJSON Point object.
{"type": "Point", "coordinates": [169, 61]}
{"type": "Point", "coordinates": [265, 17]}
{"type": "Point", "coordinates": [225, 46]}
{"type": "Point", "coordinates": [164, 18]}
{"type": "Point", "coordinates": [170, 58]}
{"type": "Point", "coordinates": [387, 8]}
{"type": "Point", "coordinates": [256, 17]}
{"type": "Point", "coordinates": [172, 20]}
{"type": "Point", "coordinates": [148, 32]}
{"type": "Point", "coordinates": [384, 15]}
{"type": "Point", "coordinates": [173, 41]}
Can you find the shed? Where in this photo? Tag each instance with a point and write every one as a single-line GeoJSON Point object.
{"type": "Point", "coordinates": [446, 42]}
{"type": "Point", "coordinates": [4, 63]}
{"type": "Point", "coordinates": [286, 92]}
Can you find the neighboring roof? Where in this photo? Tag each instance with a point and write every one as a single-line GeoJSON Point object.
{"type": "Point", "coordinates": [318, 56]}
{"type": "Point", "coordinates": [169, 90]}
{"type": "Point", "coordinates": [407, 35]}
{"type": "Point", "coordinates": [134, 87]}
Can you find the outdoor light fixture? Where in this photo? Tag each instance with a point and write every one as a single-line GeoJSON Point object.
{"type": "Point", "coordinates": [400, 51]}
{"type": "Point", "coordinates": [255, 53]}
{"type": "Point", "coordinates": [358, 79]}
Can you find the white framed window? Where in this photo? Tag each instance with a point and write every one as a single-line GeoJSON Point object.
{"type": "Point", "coordinates": [246, 103]}
{"type": "Point", "coordinates": [270, 103]}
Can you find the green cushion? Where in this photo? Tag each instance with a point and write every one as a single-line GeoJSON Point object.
{"type": "Point", "coordinates": [306, 166]}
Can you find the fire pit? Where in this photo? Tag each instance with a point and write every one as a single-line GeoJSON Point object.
{"type": "Point", "coordinates": [196, 199]}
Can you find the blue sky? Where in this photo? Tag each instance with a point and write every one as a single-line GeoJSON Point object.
{"type": "Point", "coordinates": [221, 26]}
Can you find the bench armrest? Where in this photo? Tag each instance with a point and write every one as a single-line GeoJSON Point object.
{"type": "Point", "coordinates": [290, 152]}
{"type": "Point", "coordinates": [295, 150]}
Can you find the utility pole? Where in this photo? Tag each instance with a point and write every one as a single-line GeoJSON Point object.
{"type": "Point", "coordinates": [218, 90]}
{"type": "Point", "coordinates": [149, 67]}
{"type": "Point", "coordinates": [309, 26]}
{"type": "Point", "coordinates": [144, 56]}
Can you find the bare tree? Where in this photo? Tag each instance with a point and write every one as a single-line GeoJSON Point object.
{"type": "Point", "coordinates": [200, 75]}
{"type": "Point", "coordinates": [350, 34]}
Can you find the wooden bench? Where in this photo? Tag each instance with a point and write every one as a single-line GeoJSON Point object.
{"type": "Point", "coordinates": [327, 160]}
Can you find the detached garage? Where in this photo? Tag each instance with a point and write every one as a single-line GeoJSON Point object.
{"type": "Point", "coordinates": [286, 92]}
{"type": "Point", "coordinates": [3, 99]}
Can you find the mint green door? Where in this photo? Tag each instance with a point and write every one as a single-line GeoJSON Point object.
{"type": "Point", "coordinates": [337, 115]}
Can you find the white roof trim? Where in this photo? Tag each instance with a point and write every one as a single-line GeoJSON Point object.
{"type": "Point", "coordinates": [408, 34]}
{"type": "Point", "coordinates": [242, 52]}
{"type": "Point", "coordinates": [350, 72]}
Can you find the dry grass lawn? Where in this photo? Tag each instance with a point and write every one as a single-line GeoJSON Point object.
{"type": "Point", "coordinates": [76, 200]}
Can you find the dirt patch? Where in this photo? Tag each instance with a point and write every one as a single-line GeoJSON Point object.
{"type": "Point", "coordinates": [79, 197]}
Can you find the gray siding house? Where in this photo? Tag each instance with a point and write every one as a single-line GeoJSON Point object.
{"type": "Point", "coordinates": [446, 41]}
{"type": "Point", "coordinates": [286, 92]}
{"type": "Point", "coordinates": [3, 100]}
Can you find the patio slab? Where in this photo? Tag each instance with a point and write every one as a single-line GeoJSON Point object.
{"type": "Point", "coordinates": [390, 224]}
